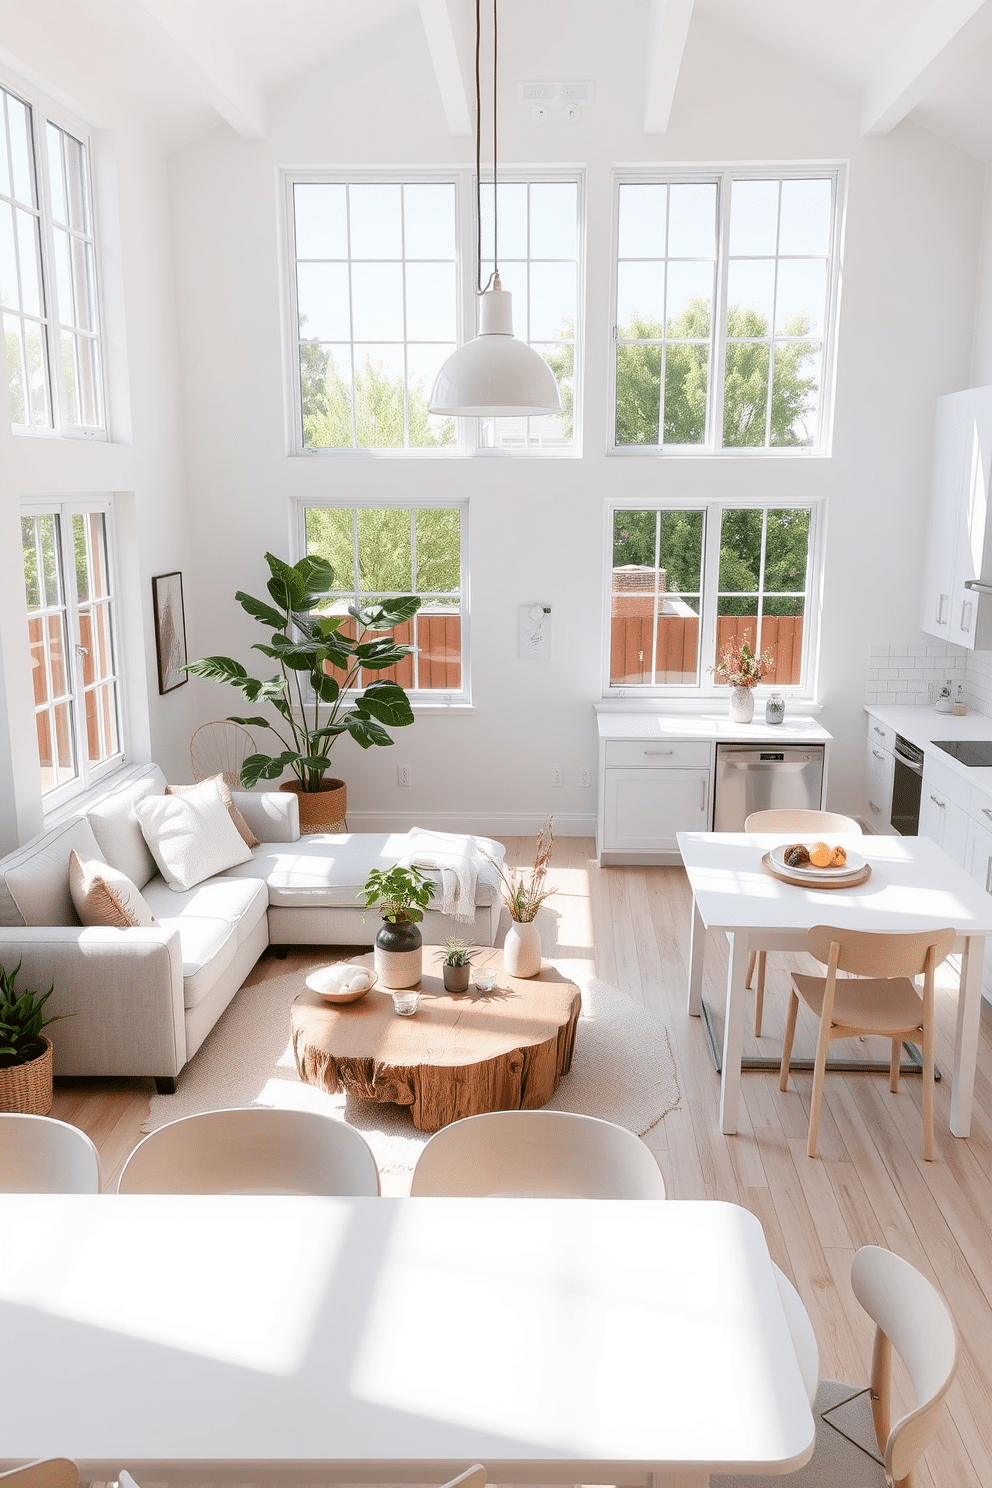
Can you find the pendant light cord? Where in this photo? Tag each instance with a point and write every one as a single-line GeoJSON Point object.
{"type": "Point", "coordinates": [494, 276]}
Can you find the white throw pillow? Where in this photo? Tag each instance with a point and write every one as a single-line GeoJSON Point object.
{"type": "Point", "coordinates": [191, 837]}
{"type": "Point", "coordinates": [104, 896]}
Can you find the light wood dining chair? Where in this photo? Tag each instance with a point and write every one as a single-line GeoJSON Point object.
{"type": "Point", "coordinates": [878, 998]}
{"type": "Point", "coordinates": [857, 1443]}
{"type": "Point", "coordinates": [803, 824]}
{"type": "Point", "coordinates": [252, 1149]}
{"type": "Point", "coordinates": [554, 1154]}
{"type": "Point", "coordinates": [41, 1155]}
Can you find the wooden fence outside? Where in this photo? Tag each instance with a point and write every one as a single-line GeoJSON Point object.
{"type": "Point", "coordinates": [678, 647]}
{"type": "Point", "coordinates": [439, 658]}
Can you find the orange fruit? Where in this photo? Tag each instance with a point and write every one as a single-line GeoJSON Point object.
{"type": "Point", "coordinates": [819, 855]}
{"type": "Point", "coordinates": [838, 857]}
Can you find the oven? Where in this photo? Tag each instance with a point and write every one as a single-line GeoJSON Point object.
{"type": "Point", "coordinates": [907, 787]}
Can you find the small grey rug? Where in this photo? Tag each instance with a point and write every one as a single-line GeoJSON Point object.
{"type": "Point", "coordinates": [846, 1453]}
{"type": "Point", "coordinates": [622, 1070]}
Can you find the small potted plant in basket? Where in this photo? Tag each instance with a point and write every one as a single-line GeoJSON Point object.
{"type": "Point", "coordinates": [401, 894]}
{"type": "Point", "coordinates": [25, 1052]}
{"type": "Point", "coordinates": [523, 893]}
{"type": "Point", "coordinates": [743, 670]}
{"type": "Point", "coordinates": [456, 966]}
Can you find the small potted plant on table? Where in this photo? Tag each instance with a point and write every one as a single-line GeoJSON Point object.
{"type": "Point", "coordinates": [401, 894]}
{"type": "Point", "coordinates": [25, 1052]}
{"type": "Point", "coordinates": [456, 966]}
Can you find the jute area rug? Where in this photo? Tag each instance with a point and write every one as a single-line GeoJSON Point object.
{"type": "Point", "coordinates": [622, 1070]}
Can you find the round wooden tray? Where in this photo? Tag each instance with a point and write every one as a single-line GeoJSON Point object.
{"type": "Point", "coordinates": [807, 883]}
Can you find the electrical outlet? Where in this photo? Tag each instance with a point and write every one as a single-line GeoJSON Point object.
{"type": "Point", "coordinates": [557, 776]}
{"type": "Point", "coordinates": [585, 777]}
{"type": "Point", "coordinates": [404, 775]}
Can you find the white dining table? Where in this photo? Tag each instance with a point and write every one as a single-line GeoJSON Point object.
{"type": "Point", "coordinates": [226, 1339]}
{"type": "Point", "coordinates": [913, 886]}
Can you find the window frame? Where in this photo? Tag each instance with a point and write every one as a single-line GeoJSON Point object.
{"type": "Point", "coordinates": [724, 176]}
{"type": "Point", "coordinates": [706, 689]}
{"type": "Point", "coordinates": [87, 773]}
{"type": "Point", "coordinates": [420, 698]}
{"type": "Point", "coordinates": [44, 111]}
{"type": "Point", "coordinates": [469, 439]}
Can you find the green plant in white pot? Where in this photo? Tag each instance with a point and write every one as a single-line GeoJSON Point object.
{"type": "Point", "coordinates": [317, 690]}
{"type": "Point", "coordinates": [401, 895]}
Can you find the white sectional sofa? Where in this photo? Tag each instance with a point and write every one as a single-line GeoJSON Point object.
{"type": "Point", "coordinates": [142, 1001]}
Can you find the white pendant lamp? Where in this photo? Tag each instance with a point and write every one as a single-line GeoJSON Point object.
{"type": "Point", "coordinates": [494, 375]}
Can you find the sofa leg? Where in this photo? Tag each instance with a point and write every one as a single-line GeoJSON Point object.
{"type": "Point", "coordinates": [165, 1084]}
{"type": "Point", "coordinates": [281, 952]}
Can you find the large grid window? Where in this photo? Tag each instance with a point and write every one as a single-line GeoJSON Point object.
{"type": "Point", "coordinates": [70, 604]}
{"type": "Point", "coordinates": [48, 275]}
{"type": "Point", "coordinates": [376, 301]}
{"type": "Point", "coordinates": [724, 296]}
{"type": "Point", "coordinates": [685, 581]}
{"type": "Point", "coordinates": [538, 242]}
{"type": "Point", "coordinates": [379, 552]}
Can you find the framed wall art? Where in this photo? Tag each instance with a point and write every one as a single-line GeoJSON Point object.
{"type": "Point", "coordinates": [170, 630]}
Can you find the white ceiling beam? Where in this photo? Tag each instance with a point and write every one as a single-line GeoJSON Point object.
{"type": "Point", "coordinates": [201, 58]}
{"type": "Point", "coordinates": [436, 18]}
{"type": "Point", "coordinates": [943, 34]}
{"type": "Point", "coordinates": [667, 30]}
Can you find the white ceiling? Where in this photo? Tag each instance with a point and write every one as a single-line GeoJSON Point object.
{"type": "Point", "coordinates": [180, 66]}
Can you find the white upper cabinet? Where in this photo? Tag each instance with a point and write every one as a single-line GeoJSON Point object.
{"type": "Point", "coordinates": [959, 549]}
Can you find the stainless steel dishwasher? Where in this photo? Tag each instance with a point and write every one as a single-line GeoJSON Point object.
{"type": "Point", "coordinates": [759, 777]}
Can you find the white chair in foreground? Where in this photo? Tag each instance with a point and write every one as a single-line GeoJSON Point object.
{"type": "Point", "coordinates": [857, 1443]}
{"type": "Point", "coordinates": [47, 1472]}
{"type": "Point", "coordinates": [554, 1154]}
{"type": "Point", "coordinates": [41, 1155]}
{"type": "Point", "coordinates": [252, 1149]}
{"type": "Point", "coordinates": [803, 824]}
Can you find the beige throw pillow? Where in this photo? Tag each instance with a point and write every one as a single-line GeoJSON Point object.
{"type": "Point", "coordinates": [191, 836]}
{"type": "Point", "coordinates": [104, 896]}
{"type": "Point", "coordinates": [244, 829]}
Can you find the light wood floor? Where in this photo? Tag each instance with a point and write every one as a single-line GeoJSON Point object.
{"type": "Point", "coordinates": [870, 1185]}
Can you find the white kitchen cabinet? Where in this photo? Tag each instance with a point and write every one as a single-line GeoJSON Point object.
{"type": "Point", "coordinates": [944, 810]}
{"type": "Point", "coordinates": [959, 542]}
{"type": "Point", "coordinates": [980, 866]}
{"type": "Point", "coordinates": [879, 774]}
{"type": "Point", "coordinates": [652, 791]}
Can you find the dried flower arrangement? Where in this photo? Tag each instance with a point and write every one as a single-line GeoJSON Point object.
{"type": "Point", "coordinates": [523, 892]}
{"type": "Point", "coordinates": [739, 664]}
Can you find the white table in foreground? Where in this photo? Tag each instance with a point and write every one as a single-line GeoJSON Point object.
{"type": "Point", "coordinates": [232, 1339]}
{"type": "Point", "coordinates": [913, 886]}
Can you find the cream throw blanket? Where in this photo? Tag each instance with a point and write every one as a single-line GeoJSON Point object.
{"type": "Point", "coordinates": [457, 860]}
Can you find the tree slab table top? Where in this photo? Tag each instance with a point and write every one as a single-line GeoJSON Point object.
{"type": "Point", "coordinates": [503, 1050]}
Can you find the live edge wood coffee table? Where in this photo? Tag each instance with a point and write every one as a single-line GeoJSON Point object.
{"type": "Point", "coordinates": [458, 1056]}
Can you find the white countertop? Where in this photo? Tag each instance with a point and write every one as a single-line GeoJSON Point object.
{"type": "Point", "coordinates": [715, 727]}
{"type": "Point", "coordinates": [922, 725]}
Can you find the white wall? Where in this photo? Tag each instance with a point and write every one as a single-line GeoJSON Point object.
{"type": "Point", "coordinates": [537, 527]}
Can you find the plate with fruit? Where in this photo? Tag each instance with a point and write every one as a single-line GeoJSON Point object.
{"type": "Point", "coordinates": [819, 862]}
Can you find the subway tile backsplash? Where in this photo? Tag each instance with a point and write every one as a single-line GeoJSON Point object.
{"type": "Point", "coordinates": [906, 673]}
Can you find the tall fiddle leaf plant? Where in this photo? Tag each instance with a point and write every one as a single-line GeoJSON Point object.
{"type": "Point", "coordinates": [315, 707]}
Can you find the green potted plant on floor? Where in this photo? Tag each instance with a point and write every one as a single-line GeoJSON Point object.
{"type": "Point", "coordinates": [401, 895]}
{"type": "Point", "coordinates": [317, 691]}
{"type": "Point", "coordinates": [456, 966]}
{"type": "Point", "coordinates": [25, 1052]}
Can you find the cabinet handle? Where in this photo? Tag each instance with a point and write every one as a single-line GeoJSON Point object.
{"type": "Point", "coordinates": [941, 601]}
{"type": "Point", "coordinates": [879, 732]}
{"type": "Point", "coordinates": [702, 801]}
{"type": "Point", "coordinates": [659, 751]}
{"type": "Point", "coordinates": [878, 754]}
{"type": "Point", "coordinates": [986, 812]}
{"type": "Point", "coordinates": [988, 877]}
{"type": "Point", "coordinates": [941, 804]}
{"type": "Point", "coordinates": [966, 609]}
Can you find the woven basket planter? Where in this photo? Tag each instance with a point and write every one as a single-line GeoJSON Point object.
{"type": "Point", "coordinates": [27, 1088]}
{"type": "Point", "coordinates": [322, 810]}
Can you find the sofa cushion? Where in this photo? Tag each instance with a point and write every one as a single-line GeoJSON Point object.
{"type": "Point", "coordinates": [36, 877]}
{"type": "Point", "coordinates": [244, 830]}
{"type": "Point", "coordinates": [103, 896]}
{"type": "Point", "coordinates": [213, 919]}
{"type": "Point", "coordinates": [330, 869]}
{"type": "Point", "coordinates": [119, 834]}
{"type": "Point", "coordinates": [191, 836]}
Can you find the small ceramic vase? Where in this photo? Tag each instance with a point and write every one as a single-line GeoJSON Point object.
{"type": "Point", "coordinates": [522, 949]}
{"type": "Point", "coordinates": [775, 708]}
{"type": "Point", "coordinates": [398, 954]}
{"type": "Point", "coordinates": [741, 704]}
